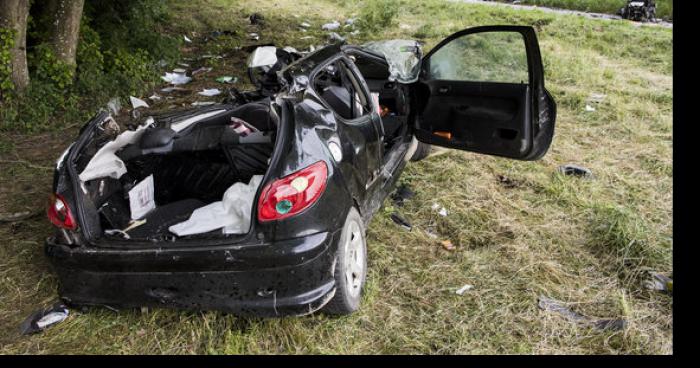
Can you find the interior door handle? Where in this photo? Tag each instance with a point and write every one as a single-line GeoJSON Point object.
{"type": "Point", "coordinates": [444, 89]}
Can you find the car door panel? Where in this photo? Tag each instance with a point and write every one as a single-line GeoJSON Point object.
{"type": "Point", "coordinates": [482, 90]}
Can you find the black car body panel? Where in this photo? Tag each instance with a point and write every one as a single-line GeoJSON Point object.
{"type": "Point", "coordinates": [284, 266]}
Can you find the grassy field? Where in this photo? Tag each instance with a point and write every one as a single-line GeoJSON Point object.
{"type": "Point", "coordinates": [664, 8]}
{"type": "Point", "coordinates": [520, 229]}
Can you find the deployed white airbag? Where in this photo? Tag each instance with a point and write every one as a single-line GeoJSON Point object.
{"type": "Point", "coordinates": [232, 213]}
{"type": "Point", "coordinates": [105, 162]}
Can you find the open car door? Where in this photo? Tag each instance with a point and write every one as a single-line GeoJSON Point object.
{"type": "Point", "coordinates": [482, 90]}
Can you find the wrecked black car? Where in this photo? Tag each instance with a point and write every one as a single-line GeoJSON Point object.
{"type": "Point", "coordinates": [644, 10]}
{"type": "Point", "coordinates": [259, 205]}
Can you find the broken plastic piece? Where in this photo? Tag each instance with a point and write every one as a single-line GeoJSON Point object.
{"type": "Point", "coordinates": [263, 56]}
{"type": "Point", "coordinates": [232, 213]}
{"type": "Point", "coordinates": [179, 71]}
{"type": "Point", "coordinates": [305, 25]}
{"type": "Point", "coordinates": [202, 70]}
{"type": "Point", "coordinates": [114, 105]}
{"type": "Point", "coordinates": [226, 79]}
{"type": "Point", "coordinates": [176, 78]}
{"type": "Point", "coordinates": [331, 26]}
{"type": "Point", "coordinates": [447, 244]}
{"type": "Point", "coordinates": [401, 221]}
{"type": "Point", "coordinates": [137, 102]}
{"type": "Point", "coordinates": [335, 38]}
{"type": "Point", "coordinates": [41, 319]}
{"type": "Point", "coordinates": [209, 92]}
{"type": "Point", "coordinates": [253, 36]}
{"type": "Point", "coordinates": [589, 108]}
{"type": "Point", "coordinates": [659, 282]}
{"type": "Point", "coordinates": [464, 289]}
{"type": "Point", "coordinates": [442, 211]}
{"type": "Point", "coordinates": [187, 39]}
{"type": "Point", "coordinates": [575, 170]}
{"type": "Point", "coordinates": [154, 97]}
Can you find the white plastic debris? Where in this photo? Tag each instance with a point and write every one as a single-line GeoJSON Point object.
{"type": "Point", "coordinates": [203, 69]}
{"type": "Point", "coordinates": [232, 213]}
{"type": "Point", "coordinates": [187, 39]}
{"type": "Point", "coordinates": [209, 92]}
{"type": "Point", "coordinates": [331, 26]}
{"type": "Point", "coordinates": [442, 211]}
{"type": "Point", "coordinates": [305, 25]}
{"type": "Point", "coordinates": [263, 56]}
{"type": "Point", "coordinates": [590, 108]}
{"type": "Point", "coordinates": [142, 199]}
{"type": "Point", "coordinates": [41, 319]}
{"type": "Point", "coordinates": [254, 36]}
{"type": "Point", "coordinates": [350, 21]}
{"type": "Point", "coordinates": [154, 97]}
{"type": "Point", "coordinates": [597, 97]}
{"type": "Point", "coordinates": [179, 70]}
{"type": "Point", "coordinates": [171, 89]}
{"type": "Point", "coordinates": [105, 163]}
{"type": "Point", "coordinates": [464, 289]}
{"type": "Point", "coordinates": [176, 78]}
{"type": "Point", "coordinates": [137, 102]}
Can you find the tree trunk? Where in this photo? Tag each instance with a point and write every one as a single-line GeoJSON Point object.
{"type": "Point", "coordinates": [13, 15]}
{"type": "Point", "coordinates": [65, 28]}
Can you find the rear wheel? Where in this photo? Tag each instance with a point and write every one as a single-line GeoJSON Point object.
{"type": "Point", "coordinates": [350, 266]}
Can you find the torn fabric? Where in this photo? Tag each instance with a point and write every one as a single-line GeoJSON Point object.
{"type": "Point", "coordinates": [105, 163]}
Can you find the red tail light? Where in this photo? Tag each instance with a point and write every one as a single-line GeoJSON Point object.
{"type": "Point", "coordinates": [293, 193]}
{"type": "Point", "coordinates": [59, 213]}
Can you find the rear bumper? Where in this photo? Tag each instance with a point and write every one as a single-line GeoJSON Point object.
{"type": "Point", "coordinates": [291, 277]}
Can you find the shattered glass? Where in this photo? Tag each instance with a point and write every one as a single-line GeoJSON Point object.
{"type": "Point", "coordinates": [403, 57]}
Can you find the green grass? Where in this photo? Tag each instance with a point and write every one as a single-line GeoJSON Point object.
{"type": "Point", "coordinates": [664, 8]}
{"type": "Point", "coordinates": [520, 229]}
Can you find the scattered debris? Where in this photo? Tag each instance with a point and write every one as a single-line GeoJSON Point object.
{"type": "Point", "coordinates": [202, 70]}
{"type": "Point", "coordinates": [589, 108]}
{"type": "Point", "coordinates": [256, 18]}
{"type": "Point", "coordinates": [227, 79]}
{"type": "Point", "coordinates": [305, 25]}
{"type": "Point", "coordinates": [114, 105]}
{"type": "Point", "coordinates": [41, 319]}
{"type": "Point", "coordinates": [119, 232]}
{"type": "Point", "coordinates": [335, 38]}
{"type": "Point", "coordinates": [18, 216]}
{"type": "Point", "coordinates": [179, 71]}
{"type": "Point", "coordinates": [306, 38]}
{"type": "Point", "coordinates": [659, 282]}
{"type": "Point", "coordinates": [404, 26]}
{"type": "Point", "coordinates": [506, 181]}
{"type": "Point", "coordinates": [575, 170]}
{"type": "Point", "coordinates": [173, 89]}
{"type": "Point", "coordinates": [464, 289]}
{"type": "Point", "coordinates": [442, 211]}
{"type": "Point", "coordinates": [254, 36]}
{"type": "Point", "coordinates": [552, 305]}
{"type": "Point", "coordinates": [210, 92]}
{"type": "Point", "coordinates": [401, 221]}
{"type": "Point", "coordinates": [184, 65]}
{"type": "Point", "coordinates": [137, 102]}
{"type": "Point", "coordinates": [203, 103]}
{"type": "Point", "coordinates": [447, 244]}
{"type": "Point", "coordinates": [187, 39]}
{"type": "Point", "coordinates": [350, 21]}
{"type": "Point", "coordinates": [154, 97]}
{"type": "Point", "coordinates": [596, 97]}
{"type": "Point", "coordinates": [331, 26]}
{"type": "Point", "coordinates": [402, 193]}
{"type": "Point", "coordinates": [176, 78]}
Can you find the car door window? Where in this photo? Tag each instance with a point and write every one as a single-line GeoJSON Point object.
{"type": "Point", "coordinates": [340, 89]}
{"type": "Point", "coordinates": [482, 57]}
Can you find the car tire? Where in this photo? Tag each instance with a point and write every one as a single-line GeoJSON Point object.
{"type": "Point", "coordinates": [422, 151]}
{"type": "Point", "coordinates": [350, 267]}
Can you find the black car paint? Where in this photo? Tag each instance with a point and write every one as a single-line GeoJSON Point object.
{"type": "Point", "coordinates": [278, 268]}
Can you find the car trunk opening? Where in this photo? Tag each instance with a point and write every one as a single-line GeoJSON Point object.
{"type": "Point", "coordinates": [187, 175]}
